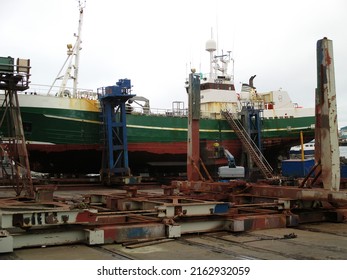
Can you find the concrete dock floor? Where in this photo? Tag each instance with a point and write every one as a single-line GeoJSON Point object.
{"type": "Point", "coordinates": [319, 241]}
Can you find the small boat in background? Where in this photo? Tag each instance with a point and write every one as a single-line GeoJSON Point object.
{"type": "Point", "coordinates": [309, 148]}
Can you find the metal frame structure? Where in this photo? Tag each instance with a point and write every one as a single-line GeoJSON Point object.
{"type": "Point", "coordinates": [14, 78]}
{"type": "Point", "coordinates": [252, 153]}
{"type": "Point", "coordinates": [126, 216]}
{"type": "Point", "coordinates": [251, 120]}
{"type": "Point", "coordinates": [115, 156]}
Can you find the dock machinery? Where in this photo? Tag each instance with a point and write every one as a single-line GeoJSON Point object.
{"type": "Point", "coordinates": [115, 164]}
{"type": "Point", "coordinates": [230, 171]}
{"type": "Point", "coordinates": [14, 164]}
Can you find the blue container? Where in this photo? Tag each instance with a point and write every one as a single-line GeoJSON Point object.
{"type": "Point", "coordinates": [343, 171]}
{"type": "Point", "coordinates": [297, 168]}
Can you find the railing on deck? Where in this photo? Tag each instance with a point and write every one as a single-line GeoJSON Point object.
{"type": "Point", "coordinates": [42, 90]}
{"type": "Point", "coordinates": [38, 89]}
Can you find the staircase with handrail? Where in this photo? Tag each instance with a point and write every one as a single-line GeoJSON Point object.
{"type": "Point", "coordinates": [249, 145]}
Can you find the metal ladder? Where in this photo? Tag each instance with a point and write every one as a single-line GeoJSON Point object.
{"type": "Point", "coordinates": [249, 145]}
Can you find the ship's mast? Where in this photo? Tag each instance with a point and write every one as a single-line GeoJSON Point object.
{"type": "Point", "coordinates": [77, 50]}
{"type": "Point", "coordinates": [222, 67]}
{"type": "Point", "coordinates": [73, 53]}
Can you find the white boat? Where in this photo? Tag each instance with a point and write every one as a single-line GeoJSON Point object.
{"type": "Point", "coordinates": [309, 148]}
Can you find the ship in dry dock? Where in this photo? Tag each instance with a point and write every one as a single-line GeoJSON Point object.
{"type": "Point", "coordinates": [64, 130]}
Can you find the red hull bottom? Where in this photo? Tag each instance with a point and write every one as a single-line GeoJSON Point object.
{"type": "Point", "coordinates": [143, 157]}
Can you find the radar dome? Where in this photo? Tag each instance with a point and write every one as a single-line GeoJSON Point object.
{"type": "Point", "coordinates": [211, 45]}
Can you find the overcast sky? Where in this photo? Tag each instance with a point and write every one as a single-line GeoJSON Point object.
{"type": "Point", "coordinates": [156, 42]}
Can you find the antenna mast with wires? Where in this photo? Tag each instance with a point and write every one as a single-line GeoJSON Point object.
{"type": "Point", "coordinates": [72, 60]}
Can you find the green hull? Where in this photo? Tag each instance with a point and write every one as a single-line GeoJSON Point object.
{"type": "Point", "coordinates": [156, 138]}
{"type": "Point", "coordinates": [57, 126]}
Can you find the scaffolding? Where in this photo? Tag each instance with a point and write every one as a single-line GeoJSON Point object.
{"type": "Point", "coordinates": [14, 162]}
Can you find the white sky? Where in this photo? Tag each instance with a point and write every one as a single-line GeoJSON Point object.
{"type": "Point", "coordinates": [155, 42]}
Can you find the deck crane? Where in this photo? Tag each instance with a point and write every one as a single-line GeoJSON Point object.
{"type": "Point", "coordinates": [145, 106]}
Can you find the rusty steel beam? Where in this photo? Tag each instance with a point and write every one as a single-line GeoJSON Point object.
{"type": "Point", "coordinates": [9, 242]}
{"type": "Point", "coordinates": [318, 215]}
{"type": "Point", "coordinates": [124, 216]}
{"type": "Point", "coordinates": [256, 222]}
{"type": "Point", "coordinates": [125, 233]}
{"type": "Point", "coordinates": [40, 218]}
{"type": "Point", "coordinates": [193, 153]}
{"type": "Point", "coordinates": [190, 187]}
{"type": "Point", "coordinates": [295, 193]}
{"type": "Point", "coordinates": [327, 144]}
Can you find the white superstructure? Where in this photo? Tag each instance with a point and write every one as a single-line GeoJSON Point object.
{"type": "Point", "coordinates": [218, 92]}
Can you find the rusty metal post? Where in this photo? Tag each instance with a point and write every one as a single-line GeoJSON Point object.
{"type": "Point", "coordinates": [328, 145]}
{"type": "Point", "coordinates": [302, 146]}
{"type": "Point", "coordinates": [193, 154]}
